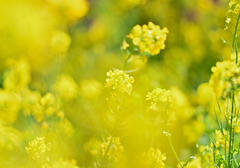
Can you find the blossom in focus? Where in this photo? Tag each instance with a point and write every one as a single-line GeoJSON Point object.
{"type": "Point", "coordinates": [119, 81]}
{"type": "Point", "coordinates": [37, 148]}
{"type": "Point", "coordinates": [149, 38]}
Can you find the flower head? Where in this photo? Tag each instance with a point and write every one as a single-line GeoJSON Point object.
{"type": "Point", "coordinates": [225, 78]}
{"type": "Point", "coordinates": [156, 158]}
{"type": "Point", "coordinates": [37, 148]}
{"type": "Point", "coordinates": [149, 38]}
{"type": "Point", "coordinates": [159, 96]}
{"type": "Point", "coordinates": [111, 147]}
{"type": "Point", "coordinates": [119, 81]}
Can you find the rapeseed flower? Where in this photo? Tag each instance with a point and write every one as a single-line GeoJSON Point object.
{"type": "Point", "coordinates": [156, 158]}
{"type": "Point", "coordinates": [225, 79]}
{"type": "Point", "coordinates": [159, 97]}
{"type": "Point", "coordinates": [148, 38]}
{"type": "Point", "coordinates": [119, 81]}
{"type": "Point", "coordinates": [37, 148]}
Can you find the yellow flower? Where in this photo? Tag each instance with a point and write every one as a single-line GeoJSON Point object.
{"type": "Point", "coordinates": [37, 148]}
{"type": "Point", "coordinates": [72, 9]}
{"type": "Point", "coordinates": [159, 96]}
{"type": "Point", "coordinates": [66, 87]}
{"type": "Point", "coordinates": [155, 157]}
{"type": "Point", "coordinates": [18, 77]}
{"type": "Point", "coordinates": [225, 79]}
{"type": "Point", "coordinates": [149, 38]}
{"type": "Point", "coordinates": [111, 147]}
{"type": "Point", "coordinates": [125, 45]}
{"type": "Point", "coordinates": [194, 163]}
{"type": "Point", "coordinates": [10, 137]}
{"type": "Point", "coordinates": [90, 89]}
{"type": "Point", "coordinates": [65, 164]}
{"type": "Point", "coordinates": [228, 20]}
{"type": "Point", "coordinates": [60, 42]}
{"type": "Point", "coordinates": [221, 139]}
{"type": "Point", "coordinates": [231, 3]}
{"type": "Point", "coordinates": [119, 81]}
{"type": "Point", "coordinates": [66, 126]}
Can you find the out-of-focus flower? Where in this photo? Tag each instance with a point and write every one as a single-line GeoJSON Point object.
{"type": "Point", "coordinates": [194, 163]}
{"type": "Point", "coordinates": [46, 106]}
{"type": "Point", "coordinates": [182, 109]}
{"type": "Point", "coordinates": [65, 164]}
{"type": "Point", "coordinates": [125, 45]}
{"type": "Point", "coordinates": [10, 104]}
{"type": "Point", "coordinates": [156, 158]}
{"type": "Point", "coordinates": [18, 76]}
{"type": "Point", "coordinates": [159, 97]}
{"type": "Point", "coordinates": [66, 126]}
{"type": "Point", "coordinates": [221, 139]}
{"type": "Point", "coordinates": [40, 107]}
{"type": "Point", "coordinates": [90, 89]}
{"type": "Point", "coordinates": [66, 87]}
{"type": "Point", "coordinates": [194, 129]}
{"type": "Point", "coordinates": [9, 136]}
{"type": "Point", "coordinates": [206, 153]}
{"type": "Point", "coordinates": [60, 42]}
{"type": "Point", "coordinates": [71, 9]}
{"type": "Point", "coordinates": [233, 9]}
{"type": "Point", "coordinates": [225, 79]}
{"type": "Point", "coordinates": [111, 148]}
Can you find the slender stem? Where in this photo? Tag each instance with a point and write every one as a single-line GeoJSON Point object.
{"type": "Point", "coordinates": [231, 134]}
{"type": "Point", "coordinates": [231, 127]}
{"type": "Point", "coordinates": [174, 152]}
{"type": "Point", "coordinates": [105, 155]}
{"type": "Point", "coordinates": [235, 38]}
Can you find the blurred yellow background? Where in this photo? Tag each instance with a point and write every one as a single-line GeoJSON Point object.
{"type": "Point", "coordinates": [54, 59]}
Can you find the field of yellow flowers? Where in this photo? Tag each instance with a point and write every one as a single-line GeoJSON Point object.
{"type": "Point", "coordinates": [119, 84]}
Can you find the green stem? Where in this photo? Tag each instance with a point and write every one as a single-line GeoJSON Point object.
{"type": "Point", "coordinates": [174, 152]}
{"type": "Point", "coordinates": [105, 155]}
{"type": "Point", "coordinates": [231, 134]}
{"type": "Point", "coordinates": [235, 38]}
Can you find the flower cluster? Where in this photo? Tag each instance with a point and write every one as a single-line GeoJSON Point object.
{"type": "Point", "coordinates": [149, 38]}
{"type": "Point", "coordinates": [155, 157]}
{"type": "Point", "coordinates": [159, 96]}
{"type": "Point", "coordinates": [37, 148]}
{"type": "Point", "coordinates": [221, 138]}
{"type": "Point", "coordinates": [18, 77]}
{"type": "Point", "coordinates": [45, 106]}
{"type": "Point", "coordinates": [111, 147]}
{"type": "Point", "coordinates": [119, 81]}
{"type": "Point", "coordinates": [233, 9]}
{"type": "Point", "coordinates": [225, 79]}
{"type": "Point", "coordinates": [206, 153]}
